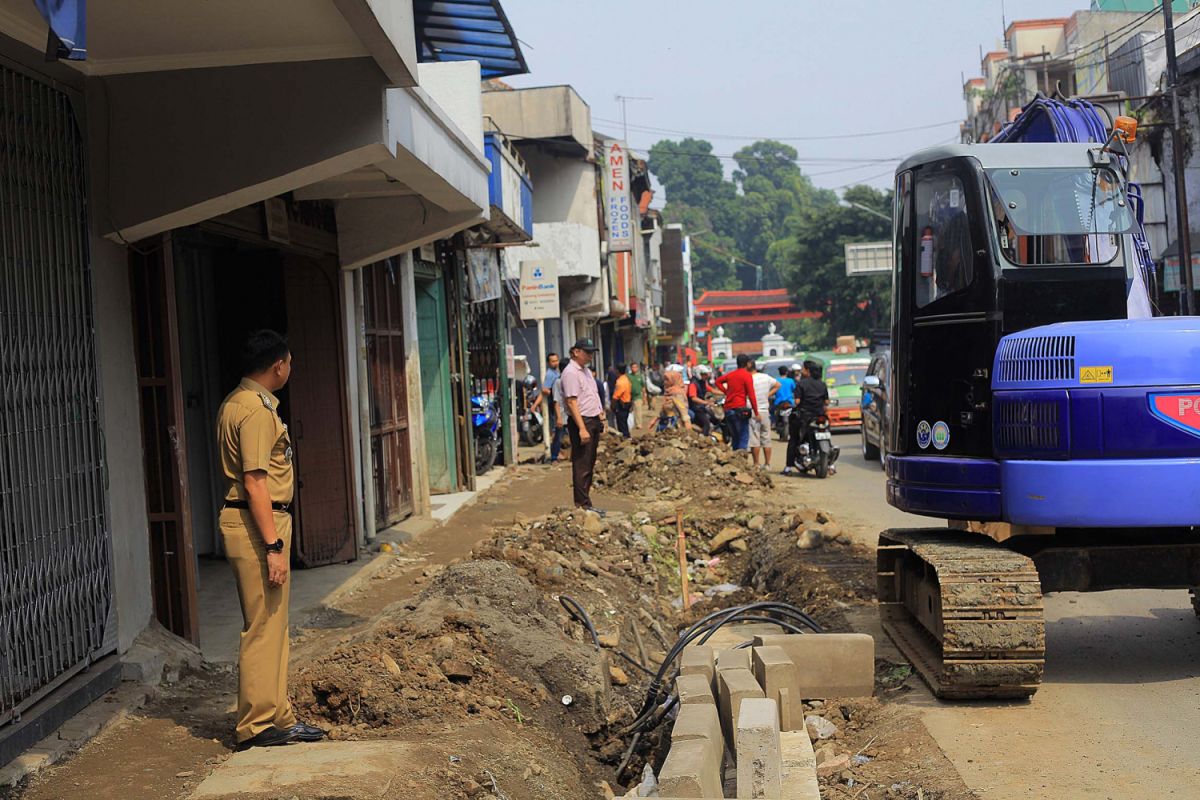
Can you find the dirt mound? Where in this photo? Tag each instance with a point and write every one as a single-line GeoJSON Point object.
{"type": "Point", "coordinates": [480, 642]}
{"type": "Point", "coordinates": [675, 464]}
{"type": "Point", "coordinates": [806, 560]}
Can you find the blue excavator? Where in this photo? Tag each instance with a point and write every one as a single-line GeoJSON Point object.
{"type": "Point", "coordinates": [1039, 403]}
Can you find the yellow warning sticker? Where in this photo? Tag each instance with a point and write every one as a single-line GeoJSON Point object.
{"type": "Point", "coordinates": [1095, 374]}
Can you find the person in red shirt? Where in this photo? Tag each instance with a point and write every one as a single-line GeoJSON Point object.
{"type": "Point", "coordinates": [740, 402]}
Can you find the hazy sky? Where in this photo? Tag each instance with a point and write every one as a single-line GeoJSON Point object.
{"type": "Point", "coordinates": [751, 69]}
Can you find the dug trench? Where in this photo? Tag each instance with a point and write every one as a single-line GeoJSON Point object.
{"type": "Point", "coordinates": [523, 664]}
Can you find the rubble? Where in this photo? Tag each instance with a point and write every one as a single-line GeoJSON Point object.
{"type": "Point", "coordinates": [673, 465]}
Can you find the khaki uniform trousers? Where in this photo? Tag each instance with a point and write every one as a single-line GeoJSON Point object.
{"type": "Point", "coordinates": [263, 653]}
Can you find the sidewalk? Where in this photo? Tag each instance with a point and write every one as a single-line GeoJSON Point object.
{"type": "Point", "coordinates": [184, 730]}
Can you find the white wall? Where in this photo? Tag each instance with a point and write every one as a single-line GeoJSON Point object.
{"type": "Point", "coordinates": [564, 187]}
{"type": "Point", "coordinates": [121, 420]}
{"type": "Point", "coordinates": [574, 248]}
{"type": "Point", "coordinates": [454, 86]}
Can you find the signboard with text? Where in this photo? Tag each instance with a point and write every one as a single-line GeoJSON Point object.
{"type": "Point", "coordinates": [617, 199]}
{"type": "Point", "coordinates": [539, 290]}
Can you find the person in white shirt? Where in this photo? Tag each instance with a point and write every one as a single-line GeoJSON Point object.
{"type": "Point", "coordinates": [765, 388]}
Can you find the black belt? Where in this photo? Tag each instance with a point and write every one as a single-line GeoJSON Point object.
{"type": "Point", "coordinates": [245, 506]}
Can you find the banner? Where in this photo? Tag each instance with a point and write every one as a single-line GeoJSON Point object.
{"type": "Point", "coordinates": [483, 273]}
{"type": "Point", "coordinates": [539, 290]}
{"type": "Point", "coordinates": [617, 198]}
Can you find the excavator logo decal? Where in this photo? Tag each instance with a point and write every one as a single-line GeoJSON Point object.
{"type": "Point", "coordinates": [1179, 410]}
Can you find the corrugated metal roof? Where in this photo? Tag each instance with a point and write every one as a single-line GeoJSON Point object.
{"type": "Point", "coordinates": [468, 30]}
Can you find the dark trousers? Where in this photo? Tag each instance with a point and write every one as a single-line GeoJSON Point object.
{"type": "Point", "coordinates": [583, 459]}
{"type": "Point", "coordinates": [739, 428]}
{"type": "Point", "coordinates": [621, 412]}
{"type": "Point", "coordinates": [702, 419]}
{"type": "Point", "coordinates": [797, 425]}
{"type": "Point", "coordinates": [556, 434]}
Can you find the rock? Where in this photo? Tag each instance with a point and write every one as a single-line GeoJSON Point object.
{"type": "Point", "coordinates": [589, 566]}
{"type": "Point", "coordinates": [660, 509]}
{"type": "Point", "coordinates": [714, 494]}
{"type": "Point", "coordinates": [457, 670]}
{"type": "Point", "coordinates": [592, 523]}
{"type": "Point", "coordinates": [722, 539]}
{"type": "Point", "coordinates": [756, 522]}
{"type": "Point", "coordinates": [739, 545]}
{"type": "Point", "coordinates": [390, 664]}
{"type": "Point", "coordinates": [409, 693]}
{"type": "Point", "coordinates": [832, 532]}
{"type": "Point", "coordinates": [805, 518]}
{"type": "Point", "coordinates": [819, 728]}
{"type": "Point", "coordinates": [810, 539]}
{"type": "Point", "coordinates": [824, 517]}
{"type": "Point", "coordinates": [669, 455]}
{"type": "Point", "coordinates": [833, 765]}
{"type": "Point", "coordinates": [744, 478]}
{"type": "Point", "coordinates": [618, 676]}
{"type": "Point", "coordinates": [185, 774]}
{"type": "Point", "coordinates": [650, 532]}
{"type": "Point", "coordinates": [492, 702]}
{"type": "Point", "coordinates": [609, 640]}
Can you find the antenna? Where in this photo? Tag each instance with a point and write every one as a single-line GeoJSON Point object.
{"type": "Point", "coordinates": [623, 99]}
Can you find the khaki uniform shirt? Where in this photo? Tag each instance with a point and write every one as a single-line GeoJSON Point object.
{"type": "Point", "coordinates": [250, 436]}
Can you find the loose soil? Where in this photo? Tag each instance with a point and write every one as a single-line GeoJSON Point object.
{"type": "Point", "coordinates": [465, 644]}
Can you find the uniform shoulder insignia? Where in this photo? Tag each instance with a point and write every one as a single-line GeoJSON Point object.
{"type": "Point", "coordinates": [266, 401]}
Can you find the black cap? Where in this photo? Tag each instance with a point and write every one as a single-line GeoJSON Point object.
{"type": "Point", "coordinates": [585, 344]}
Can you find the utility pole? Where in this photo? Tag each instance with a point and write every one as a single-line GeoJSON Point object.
{"type": "Point", "coordinates": [624, 99]}
{"type": "Point", "coordinates": [1187, 296]}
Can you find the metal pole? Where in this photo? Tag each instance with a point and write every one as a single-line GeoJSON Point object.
{"type": "Point", "coordinates": [541, 328]}
{"type": "Point", "coordinates": [364, 408]}
{"type": "Point", "coordinates": [1187, 295]}
{"type": "Point", "coordinates": [505, 389]}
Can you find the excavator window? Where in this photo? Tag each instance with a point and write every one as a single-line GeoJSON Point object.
{"type": "Point", "coordinates": [944, 251]}
{"type": "Point", "coordinates": [1058, 216]}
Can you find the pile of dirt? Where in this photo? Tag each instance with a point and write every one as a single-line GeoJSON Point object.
{"type": "Point", "coordinates": [678, 466]}
{"type": "Point", "coordinates": [479, 642]}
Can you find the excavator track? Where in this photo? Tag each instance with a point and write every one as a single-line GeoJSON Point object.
{"type": "Point", "coordinates": [966, 611]}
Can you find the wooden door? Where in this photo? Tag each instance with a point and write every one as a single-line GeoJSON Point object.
{"type": "Point", "coordinates": [390, 453]}
{"type": "Point", "coordinates": [164, 446]}
{"type": "Point", "coordinates": [319, 428]}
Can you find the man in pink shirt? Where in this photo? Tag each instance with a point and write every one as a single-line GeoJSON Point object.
{"type": "Point", "coordinates": [585, 419]}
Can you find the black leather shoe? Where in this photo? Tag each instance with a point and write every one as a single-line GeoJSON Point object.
{"type": "Point", "coordinates": [308, 733]}
{"type": "Point", "coordinates": [271, 737]}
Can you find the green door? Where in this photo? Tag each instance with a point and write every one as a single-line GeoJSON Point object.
{"type": "Point", "coordinates": [434, 343]}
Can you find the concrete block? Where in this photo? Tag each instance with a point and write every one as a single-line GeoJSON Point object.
{"type": "Point", "coordinates": [698, 660]}
{"type": "Point", "coordinates": [728, 637]}
{"type": "Point", "coordinates": [694, 689]}
{"type": "Point", "coordinates": [733, 659]}
{"type": "Point", "coordinates": [759, 760]}
{"type": "Point", "coordinates": [776, 673]}
{"type": "Point", "coordinates": [799, 765]}
{"type": "Point", "coordinates": [690, 772]}
{"type": "Point", "coordinates": [143, 664]}
{"type": "Point", "coordinates": [700, 722]}
{"type": "Point", "coordinates": [737, 685]}
{"type": "Point", "coordinates": [828, 664]}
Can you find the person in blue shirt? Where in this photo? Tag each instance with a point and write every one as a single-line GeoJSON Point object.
{"type": "Point", "coordinates": [552, 408]}
{"type": "Point", "coordinates": [787, 387]}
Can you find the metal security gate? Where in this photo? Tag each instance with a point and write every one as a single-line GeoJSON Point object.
{"type": "Point", "coordinates": [55, 597]}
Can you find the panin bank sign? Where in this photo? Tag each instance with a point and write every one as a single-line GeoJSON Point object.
{"type": "Point", "coordinates": [539, 290]}
{"type": "Point", "coordinates": [616, 197]}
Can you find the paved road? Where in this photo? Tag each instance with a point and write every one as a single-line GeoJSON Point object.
{"type": "Point", "coordinates": [1118, 715]}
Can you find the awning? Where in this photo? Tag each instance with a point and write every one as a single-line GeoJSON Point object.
{"type": "Point", "coordinates": [468, 30]}
{"type": "Point", "coordinates": [68, 27]}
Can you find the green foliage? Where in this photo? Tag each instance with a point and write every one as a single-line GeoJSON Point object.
{"type": "Point", "coordinates": [770, 214]}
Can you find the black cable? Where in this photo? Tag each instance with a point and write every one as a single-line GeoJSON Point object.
{"type": "Point", "coordinates": [577, 611]}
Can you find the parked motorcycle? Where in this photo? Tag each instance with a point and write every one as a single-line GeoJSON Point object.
{"type": "Point", "coordinates": [818, 453]}
{"type": "Point", "coordinates": [529, 428]}
{"type": "Point", "coordinates": [485, 417]}
{"type": "Point", "coordinates": [780, 422]}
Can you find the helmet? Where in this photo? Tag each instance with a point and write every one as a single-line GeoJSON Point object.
{"type": "Point", "coordinates": [703, 369]}
{"type": "Point", "coordinates": [675, 368]}
{"type": "Point", "coordinates": [795, 367]}
{"type": "Point", "coordinates": [530, 381]}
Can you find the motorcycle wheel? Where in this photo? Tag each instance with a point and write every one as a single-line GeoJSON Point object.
{"type": "Point", "coordinates": [485, 455]}
{"type": "Point", "coordinates": [822, 464]}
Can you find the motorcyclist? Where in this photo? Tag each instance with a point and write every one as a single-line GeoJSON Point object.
{"type": "Point", "coordinates": [699, 401]}
{"type": "Point", "coordinates": [812, 398]}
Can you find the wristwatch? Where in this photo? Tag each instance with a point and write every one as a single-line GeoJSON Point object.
{"type": "Point", "coordinates": [275, 546]}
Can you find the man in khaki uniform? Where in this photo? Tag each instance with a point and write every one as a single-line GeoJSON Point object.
{"type": "Point", "coordinates": [256, 527]}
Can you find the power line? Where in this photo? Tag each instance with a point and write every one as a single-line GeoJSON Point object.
{"type": "Point", "coordinates": [673, 131]}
